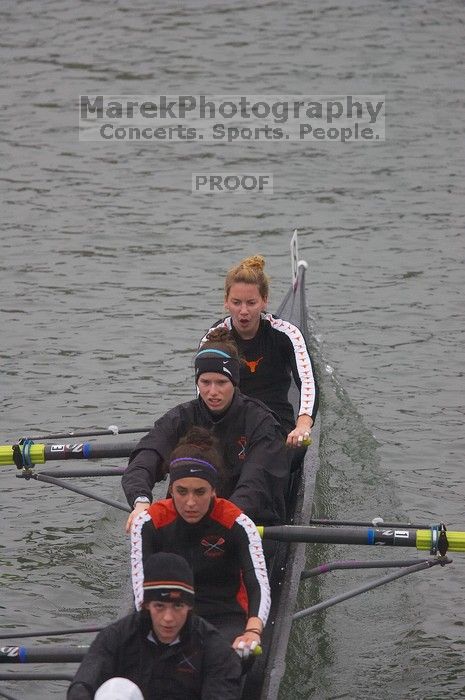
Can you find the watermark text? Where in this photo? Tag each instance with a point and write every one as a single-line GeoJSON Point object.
{"type": "Point", "coordinates": [231, 118]}
{"type": "Point", "coordinates": [232, 183]}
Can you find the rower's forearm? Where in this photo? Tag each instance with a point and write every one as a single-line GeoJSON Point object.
{"type": "Point", "coordinates": [254, 624]}
{"type": "Point", "coordinates": [140, 476]}
{"type": "Point", "coordinates": [304, 422]}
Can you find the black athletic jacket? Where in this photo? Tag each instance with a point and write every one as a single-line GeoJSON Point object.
{"type": "Point", "coordinates": [223, 549]}
{"type": "Point", "coordinates": [202, 666]}
{"type": "Point", "coordinates": [276, 353]}
{"type": "Point", "coordinates": [254, 453]}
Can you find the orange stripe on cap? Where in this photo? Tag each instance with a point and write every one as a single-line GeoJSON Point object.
{"type": "Point", "coordinates": [178, 585]}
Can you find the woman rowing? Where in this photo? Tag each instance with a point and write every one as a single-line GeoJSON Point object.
{"type": "Point", "coordinates": [250, 439]}
{"type": "Point", "coordinates": [165, 649]}
{"type": "Point", "coordinates": [220, 543]}
{"type": "Point", "coordinates": [274, 350]}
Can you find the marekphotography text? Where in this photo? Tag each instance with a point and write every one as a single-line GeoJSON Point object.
{"type": "Point", "coordinates": [231, 118]}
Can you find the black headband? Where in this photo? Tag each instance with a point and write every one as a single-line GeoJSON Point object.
{"type": "Point", "coordinates": [182, 467]}
{"type": "Point", "coordinates": [213, 360]}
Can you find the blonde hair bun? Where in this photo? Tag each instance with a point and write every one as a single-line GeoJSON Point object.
{"type": "Point", "coordinates": [248, 271]}
{"type": "Point", "coordinates": [256, 262]}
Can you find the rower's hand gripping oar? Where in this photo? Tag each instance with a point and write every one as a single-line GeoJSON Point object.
{"type": "Point", "coordinates": [48, 653]}
{"type": "Point", "coordinates": [63, 654]}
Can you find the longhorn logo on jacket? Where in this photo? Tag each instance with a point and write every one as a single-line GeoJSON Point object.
{"type": "Point", "coordinates": [253, 364]}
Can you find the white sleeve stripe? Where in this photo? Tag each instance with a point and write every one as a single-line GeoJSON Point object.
{"type": "Point", "coordinates": [303, 361]}
{"type": "Point", "coordinates": [137, 565]}
{"type": "Point", "coordinates": [259, 564]}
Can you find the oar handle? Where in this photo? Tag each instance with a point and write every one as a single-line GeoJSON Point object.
{"type": "Point", "coordinates": [55, 654]}
{"type": "Point", "coordinates": [305, 442]}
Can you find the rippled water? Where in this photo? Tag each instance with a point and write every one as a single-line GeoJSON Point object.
{"type": "Point", "coordinates": [111, 269]}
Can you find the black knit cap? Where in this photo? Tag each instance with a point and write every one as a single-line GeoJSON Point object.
{"type": "Point", "coordinates": [168, 578]}
{"type": "Point", "coordinates": [214, 360]}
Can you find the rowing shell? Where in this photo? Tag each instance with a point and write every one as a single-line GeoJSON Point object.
{"type": "Point", "coordinates": [264, 680]}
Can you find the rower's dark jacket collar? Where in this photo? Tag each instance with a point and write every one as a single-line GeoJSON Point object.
{"type": "Point", "coordinates": [239, 338]}
{"type": "Point", "coordinates": [233, 408]}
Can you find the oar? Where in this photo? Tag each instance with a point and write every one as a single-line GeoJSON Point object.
{"type": "Point", "coordinates": [353, 564]}
{"type": "Point", "coordinates": [375, 522]}
{"type": "Point", "coordinates": [69, 474]}
{"type": "Point", "coordinates": [420, 566]}
{"type": "Point", "coordinates": [20, 634]}
{"type": "Point", "coordinates": [55, 654]}
{"type": "Point", "coordinates": [42, 654]}
{"type": "Point", "coordinates": [77, 489]}
{"type": "Point", "coordinates": [36, 676]}
{"type": "Point", "coordinates": [30, 453]}
{"type": "Point", "coordinates": [111, 430]}
{"type": "Point", "coordinates": [434, 539]}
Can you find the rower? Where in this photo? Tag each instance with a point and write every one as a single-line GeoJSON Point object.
{"type": "Point", "coordinates": [274, 350]}
{"type": "Point", "coordinates": [221, 543]}
{"type": "Point", "coordinates": [165, 649]}
{"type": "Point", "coordinates": [250, 439]}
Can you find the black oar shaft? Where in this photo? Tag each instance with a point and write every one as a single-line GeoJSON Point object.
{"type": "Point", "coordinates": [422, 565]}
{"type": "Point", "coordinates": [81, 492]}
{"type": "Point", "coordinates": [345, 565]}
{"type": "Point", "coordinates": [44, 654]}
{"type": "Point", "coordinates": [30, 453]}
{"type": "Point", "coordinates": [93, 471]}
{"type": "Point", "coordinates": [20, 634]}
{"type": "Point", "coordinates": [36, 676]}
{"type": "Point", "coordinates": [329, 535]}
{"type": "Point", "coordinates": [88, 450]}
{"type": "Point", "coordinates": [90, 433]}
{"type": "Point", "coordinates": [366, 523]}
